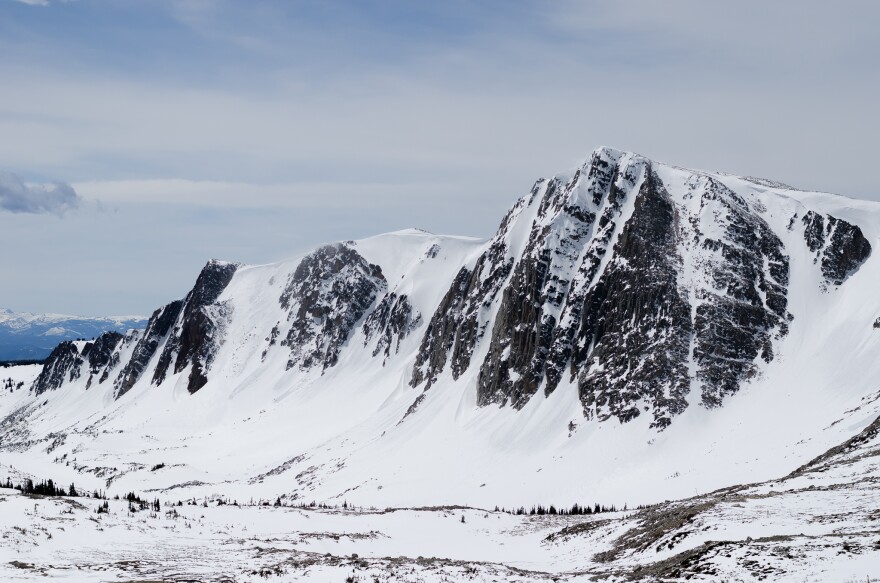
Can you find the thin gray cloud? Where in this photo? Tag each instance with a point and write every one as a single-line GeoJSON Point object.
{"type": "Point", "coordinates": [16, 196]}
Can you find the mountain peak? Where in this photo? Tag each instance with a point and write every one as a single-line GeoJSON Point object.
{"type": "Point", "coordinates": [610, 152]}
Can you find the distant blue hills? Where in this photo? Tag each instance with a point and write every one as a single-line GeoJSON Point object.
{"type": "Point", "coordinates": [26, 336]}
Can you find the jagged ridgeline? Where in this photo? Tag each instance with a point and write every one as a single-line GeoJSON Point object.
{"type": "Point", "coordinates": [643, 288]}
{"type": "Point", "coordinates": [180, 336]}
{"type": "Point", "coordinates": [637, 291]}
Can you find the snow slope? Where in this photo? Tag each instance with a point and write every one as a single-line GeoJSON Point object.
{"type": "Point", "coordinates": [634, 332]}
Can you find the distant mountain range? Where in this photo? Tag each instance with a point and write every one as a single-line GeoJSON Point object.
{"type": "Point", "coordinates": [25, 336]}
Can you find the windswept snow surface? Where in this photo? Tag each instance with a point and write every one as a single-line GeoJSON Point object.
{"type": "Point", "coordinates": [820, 523]}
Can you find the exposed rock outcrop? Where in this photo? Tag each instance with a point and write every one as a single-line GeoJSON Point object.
{"type": "Point", "coordinates": [532, 335]}
{"type": "Point", "coordinates": [63, 365]}
{"type": "Point", "coordinates": [157, 330]}
{"type": "Point", "coordinates": [631, 349]}
{"type": "Point", "coordinates": [100, 352]}
{"type": "Point", "coordinates": [460, 319]}
{"type": "Point", "coordinates": [744, 306]}
{"type": "Point", "coordinates": [391, 321]}
{"type": "Point", "coordinates": [840, 247]}
{"type": "Point", "coordinates": [194, 340]}
{"type": "Point", "coordinates": [326, 297]}
{"type": "Point", "coordinates": [67, 362]}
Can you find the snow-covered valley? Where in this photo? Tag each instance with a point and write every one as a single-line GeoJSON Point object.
{"type": "Point", "coordinates": [817, 524]}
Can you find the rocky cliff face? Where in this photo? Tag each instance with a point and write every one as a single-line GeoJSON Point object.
{"type": "Point", "coordinates": [840, 247]}
{"type": "Point", "coordinates": [460, 320]}
{"type": "Point", "coordinates": [325, 298]}
{"type": "Point", "coordinates": [741, 307]}
{"type": "Point", "coordinates": [193, 342]}
{"type": "Point", "coordinates": [70, 360]}
{"type": "Point", "coordinates": [393, 320]}
{"type": "Point", "coordinates": [533, 334]}
{"type": "Point", "coordinates": [63, 364]}
{"type": "Point", "coordinates": [156, 331]}
{"type": "Point", "coordinates": [631, 346]}
{"type": "Point", "coordinates": [187, 331]}
{"type": "Point", "coordinates": [636, 291]}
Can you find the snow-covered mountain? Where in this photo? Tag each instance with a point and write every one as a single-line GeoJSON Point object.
{"type": "Point", "coordinates": [633, 332]}
{"type": "Point", "coordinates": [25, 336]}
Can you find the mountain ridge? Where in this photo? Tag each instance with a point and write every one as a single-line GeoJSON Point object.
{"type": "Point", "coordinates": [625, 312]}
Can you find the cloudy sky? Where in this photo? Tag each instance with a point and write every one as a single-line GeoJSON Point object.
{"type": "Point", "coordinates": [139, 139]}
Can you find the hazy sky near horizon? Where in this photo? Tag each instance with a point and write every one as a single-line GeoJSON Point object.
{"type": "Point", "coordinates": [140, 139]}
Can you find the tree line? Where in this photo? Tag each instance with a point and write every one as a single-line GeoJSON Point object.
{"type": "Point", "coordinates": [41, 488]}
{"type": "Point", "coordinates": [136, 503]}
{"type": "Point", "coordinates": [51, 488]}
{"type": "Point", "coordinates": [573, 510]}
{"type": "Point", "coordinates": [8, 363]}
